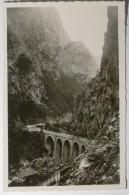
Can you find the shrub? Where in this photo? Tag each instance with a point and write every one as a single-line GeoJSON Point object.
{"type": "Point", "coordinates": [24, 63]}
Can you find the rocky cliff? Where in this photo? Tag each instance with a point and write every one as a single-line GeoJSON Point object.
{"type": "Point", "coordinates": [45, 69]}
{"type": "Point", "coordinates": [102, 96]}
{"type": "Point", "coordinates": [76, 61]}
{"type": "Point", "coordinates": [110, 58]}
{"type": "Point", "coordinates": [96, 113]}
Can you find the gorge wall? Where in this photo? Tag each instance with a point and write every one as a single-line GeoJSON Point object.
{"type": "Point", "coordinates": [46, 70]}
{"type": "Point", "coordinates": [96, 113]}
{"type": "Point", "coordinates": [97, 104]}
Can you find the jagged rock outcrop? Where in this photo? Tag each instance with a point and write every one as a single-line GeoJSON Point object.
{"type": "Point", "coordinates": [45, 69]}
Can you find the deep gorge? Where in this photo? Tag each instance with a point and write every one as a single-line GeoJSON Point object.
{"type": "Point", "coordinates": [51, 76]}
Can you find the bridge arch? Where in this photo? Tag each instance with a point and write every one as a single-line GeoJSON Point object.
{"type": "Point", "coordinates": [83, 149]}
{"type": "Point", "coordinates": [59, 149]}
{"type": "Point", "coordinates": [50, 145]}
{"type": "Point", "coordinates": [75, 150]}
{"type": "Point", "coordinates": [66, 152]}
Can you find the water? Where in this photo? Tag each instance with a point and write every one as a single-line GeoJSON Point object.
{"type": "Point", "coordinates": [51, 179]}
{"type": "Point", "coordinates": [45, 180]}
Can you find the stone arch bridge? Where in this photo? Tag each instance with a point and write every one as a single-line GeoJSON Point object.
{"type": "Point", "coordinates": [65, 147]}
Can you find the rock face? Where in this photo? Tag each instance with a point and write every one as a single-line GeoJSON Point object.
{"type": "Point", "coordinates": [110, 58]}
{"type": "Point", "coordinates": [45, 69]}
{"type": "Point", "coordinates": [101, 99]}
{"type": "Point", "coordinates": [78, 62]}
{"type": "Point", "coordinates": [96, 113]}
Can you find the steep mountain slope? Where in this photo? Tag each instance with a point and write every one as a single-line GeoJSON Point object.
{"type": "Point", "coordinates": [75, 60]}
{"type": "Point", "coordinates": [96, 114]}
{"type": "Point", "coordinates": [101, 99]}
{"type": "Point", "coordinates": [45, 69]}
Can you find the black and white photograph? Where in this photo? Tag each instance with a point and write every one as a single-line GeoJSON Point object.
{"type": "Point", "coordinates": [64, 125]}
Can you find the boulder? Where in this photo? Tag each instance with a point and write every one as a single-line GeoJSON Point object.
{"type": "Point", "coordinates": [38, 163]}
{"type": "Point", "coordinates": [84, 163]}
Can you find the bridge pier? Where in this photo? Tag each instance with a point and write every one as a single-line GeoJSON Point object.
{"type": "Point", "coordinates": [71, 154]}
{"type": "Point", "coordinates": [62, 154]}
{"type": "Point", "coordinates": [55, 152]}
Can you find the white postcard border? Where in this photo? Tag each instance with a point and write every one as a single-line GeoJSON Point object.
{"type": "Point", "coordinates": [121, 32]}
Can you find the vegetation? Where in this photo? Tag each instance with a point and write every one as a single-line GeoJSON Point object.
{"type": "Point", "coordinates": [24, 64]}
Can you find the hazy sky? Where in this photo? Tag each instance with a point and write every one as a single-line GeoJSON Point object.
{"type": "Point", "coordinates": [87, 24]}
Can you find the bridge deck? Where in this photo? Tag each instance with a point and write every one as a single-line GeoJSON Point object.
{"type": "Point", "coordinates": [68, 136]}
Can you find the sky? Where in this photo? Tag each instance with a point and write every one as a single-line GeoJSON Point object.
{"type": "Point", "coordinates": [87, 24]}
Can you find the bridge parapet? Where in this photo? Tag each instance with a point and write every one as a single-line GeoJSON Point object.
{"type": "Point", "coordinates": [68, 136]}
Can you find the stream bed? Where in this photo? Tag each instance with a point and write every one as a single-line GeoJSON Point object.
{"type": "Point", "coordinates": [43, 179]}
